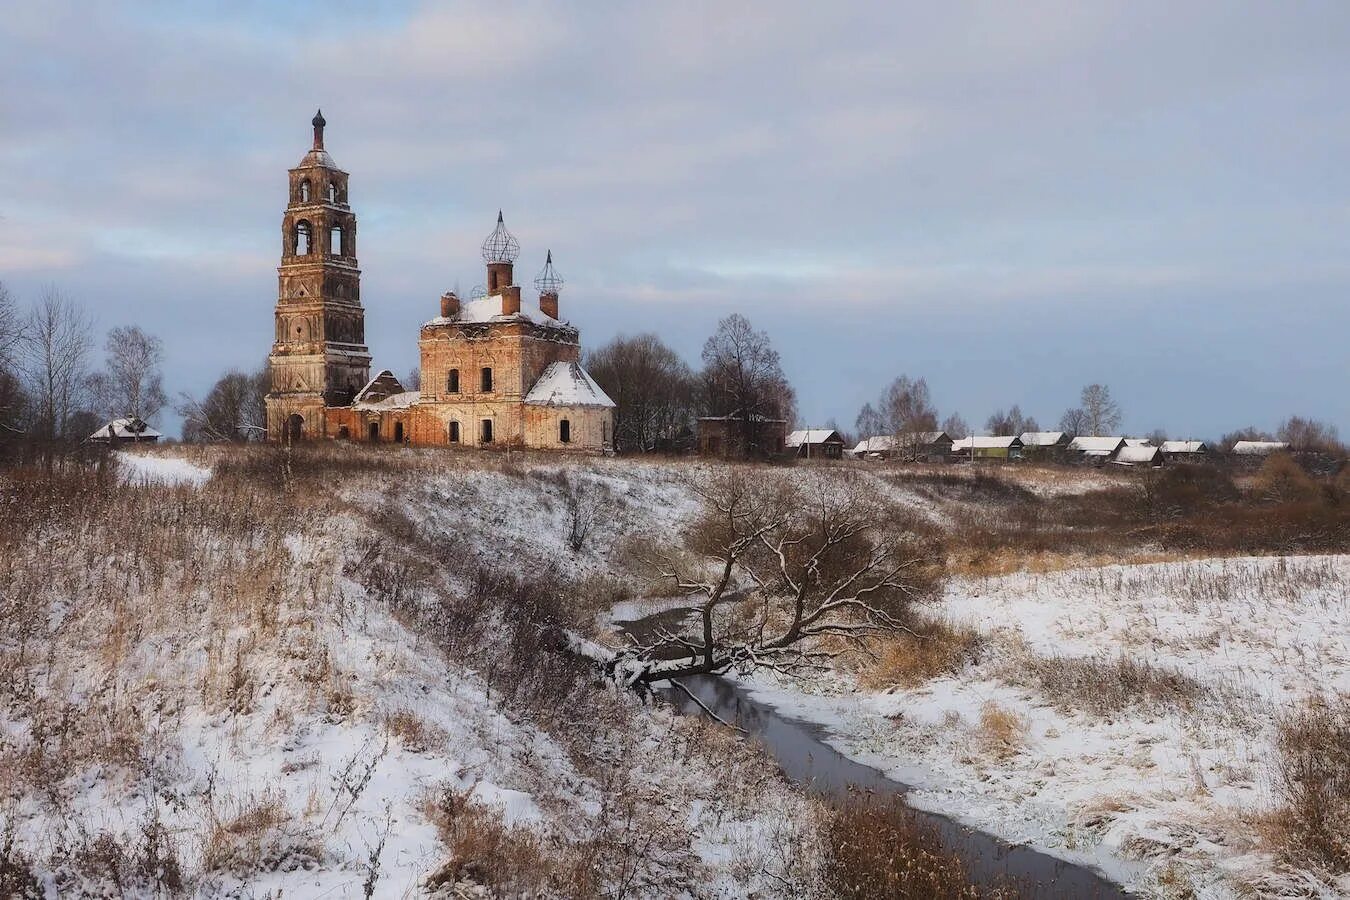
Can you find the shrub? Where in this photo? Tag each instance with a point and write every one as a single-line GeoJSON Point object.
{"type": "Point", "coordinates": [930, 649]}
{"type": "Point", "coordinates": [881, 849]}
{"type": "Point", "coordinates": [1313, 780]}
{"type": "Point", "coordinates": [1002, 731]}
{"type": "Point", "coordinates": [1104, 687]}
{"type": "Point", "coordinates": [1282, 480]}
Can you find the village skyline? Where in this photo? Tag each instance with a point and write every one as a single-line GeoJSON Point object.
{"type": "Point", "coordinates": [1171, 224]}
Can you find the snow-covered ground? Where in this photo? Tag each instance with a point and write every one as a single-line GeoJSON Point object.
{"type": "Point", "coordinates": [143, 467]}
{"type": "Point", "coordinates": [1148, 789]}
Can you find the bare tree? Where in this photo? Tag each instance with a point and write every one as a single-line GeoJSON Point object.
{"type": "Point", "coordinates": [1074, 421]}
{"type": "Point", "coordinates": [56, 343]}
{"type": "Point", "coordinates": [11, 330]}
{"type": "Point", "coordinates": [652, 388]}
{"type": "Point", "coordinates": [1010, 422]}
{"type": "Point", "coordinates": [414, 380]}
{"type": "Point", "coordinates": [788, 573]}
{"type": "Point", "coordinates": [743, 378]}
{"type": "Point", "coordinates": [1102, 413]}
{"type": "Point", "coordinates": [233, 410]}
{"type": "Point", "coordinates": [955, 426]}
{"type": "Point", "coordinates": [1309, 434]}
{"type": "Point", "coordinates": [133, 382]}
{"type": "Point", "coordinates": [869, 422]}
{"type": "Point", "coordinates": [1250, 433]}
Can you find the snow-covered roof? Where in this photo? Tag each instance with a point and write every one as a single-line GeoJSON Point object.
{"type": "Point", "coordinates": [1185, 447]}
{"type": "Point", "coordinates": [129, 428]}
{"type": "Point", "coordinates": [987, 442]}
{"type": "Point", "coordinates": [382, 386]}
{"type": "Point", "coordinates": [882, 443]}
{"type": "Point", "coordinates": [1041, 438]}
{"type": "Point", "coordinates": [401, 400]}
{"type": "Point", "coordinates": [489, 309]}
{"type": "Point", "coordinates": [1135, 455]}
{"type": "Point", "coordinates": [1259, 448]}
{"type": "Point", "coordinates": [1097, 444]}
{"type": "Point", "coordinates": [811, 436]}
{"type": "Point", "coordinates": [567, 384]}
{"type": "Point", "coordinates": [1138, 442]}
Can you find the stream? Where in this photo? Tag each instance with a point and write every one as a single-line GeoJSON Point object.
{"type": "Point", "coordinates": [802, 752]}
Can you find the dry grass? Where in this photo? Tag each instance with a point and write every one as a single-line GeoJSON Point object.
{"type": "Point", "coordinates": [251, 837]}
{"type": "Point", "coordinates": [415, 733]}
{"type": "Point", "coordinates": [930, 649]}
{"type": "Point", "coordinates": [1312, 826]}
{"type": "Point", "coordinates": [1002, 732]}
{"type": "Point", "coordinates": [1103, 686]}
{"type": "Point", "coordinates": [881, 851]}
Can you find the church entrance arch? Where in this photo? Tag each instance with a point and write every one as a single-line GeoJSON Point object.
{"type": "Point", "coordinates": [295, 428]}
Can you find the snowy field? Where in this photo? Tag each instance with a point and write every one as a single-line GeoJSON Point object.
{"type": "Point", "coordinates": [1150, 787]}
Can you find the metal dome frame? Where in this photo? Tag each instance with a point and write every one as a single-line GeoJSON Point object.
{"type": "Point", "coordinates": [549, 281]}
{"type": "Point", "coordinates": [501, 246]}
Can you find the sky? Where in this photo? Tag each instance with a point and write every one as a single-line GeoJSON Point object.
{"type": "Point", "coordinates": [1009, 200]}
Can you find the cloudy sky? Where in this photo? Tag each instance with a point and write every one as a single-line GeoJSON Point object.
{"type": "Point", "coordinates": [1010, 200]}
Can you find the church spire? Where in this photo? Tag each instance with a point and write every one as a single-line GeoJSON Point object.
{"type": "Point", "coordinates": [318, 123]}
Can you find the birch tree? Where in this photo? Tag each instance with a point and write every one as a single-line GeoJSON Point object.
{"type": "Point", "coordinates": [56, 344]}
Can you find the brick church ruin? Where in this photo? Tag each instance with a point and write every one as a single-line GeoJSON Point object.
{"type": "Point", "coordinates": [498, 370]}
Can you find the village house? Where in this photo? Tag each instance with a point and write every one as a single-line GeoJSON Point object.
{"type": "Point", "coordinates": [815, 443]}
{"type": "Point", "coordinates": [1096, 450]}
{"type": "Point", "coordinates": [730, 437]}
{"type": "Point", "coordinates": [910, 446]}
{"type": "Point", "coordinates": [1259, 448]}
{"type": "Point", "coordinates": [1044, 443]}
{"type": "Point", "coordinates": [1000, 447]}
{"type": "Point", "coordinates": [127, 430]}
{"type": "Point", "coordinates": [879, 447]}
{"type": "Point", "coordinates": [1184, 450]}
{"type": "Point", "coordinates": [498, 370]}
{"type": "Point", "coordinates": [1138, 455]}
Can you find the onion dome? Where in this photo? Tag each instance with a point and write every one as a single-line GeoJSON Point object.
{"type": "Point", "coordinates": [501, 246]}
{"type": "Point", "coordinates": [549, 281]}
{"type": "Point", "coordinates": [317, 156]}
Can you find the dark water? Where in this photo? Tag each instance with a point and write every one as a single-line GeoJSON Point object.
{"type": "Point", "coordinates": [804, 756]}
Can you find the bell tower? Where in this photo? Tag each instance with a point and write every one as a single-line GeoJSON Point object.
{"type": "Point", "coordinates": [319, 357]}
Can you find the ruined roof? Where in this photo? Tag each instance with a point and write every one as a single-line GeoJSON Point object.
{"type": "Point", "coordinates": [384, 386]}
{"type": "Point", "coordinates": [401, 400]}
{"type": "Point", "coordinates": [317, 157]}
{"type": "Point", "coordinates": [567, 384]}
{"type": "Point", "coordinates": [489, 309]}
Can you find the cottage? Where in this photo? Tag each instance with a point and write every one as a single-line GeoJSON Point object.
{"type": "Point", "coordinates": [1044, 443]}
{"type": "Point", "coordinates": [1096, 449]}
{"type": "Point", "coordinates": [815, 443]}
{"type": "Point", "coordinates": [128, 430]}
{"type": "Point", "coordinates": [1002, 447]}
{"type": "Point", "coordinates": [732, 437]}
{"type": "Point", "coordinates": [911, 446]}
{"type": "Point", "coordinates": [1138, 456]}
{"type": "Point", "coordinates": [1184, 450]}
{"type": "Point", "coordinates": [1259, 448]}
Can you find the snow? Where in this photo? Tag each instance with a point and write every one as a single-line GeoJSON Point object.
{"type": "Point", "coordinates": [1140, 789]}
{"type": "Point", "coordinates": [1096, 445]}
{"type": "Point", "coordinates": [130, 428]}
{"type": "Point", "coordinates": [808, 436]}
{"type": "Point", "coordinates": [143, 468]}
{"type": "Point", "coordinates": [986, 442]}
{"type": "Point", "coordinates": [1258, 448]}
{"type": "Point", "coordinates": [489, 309]}
{"type": "Point", "coordinates": [1184, 447]}
{"type": "Point", "coordinates": [1137, 455]}
{"type": "Point", "coordinates": [1041, 438]}
{"type": "Point", "coordinates": [567, 384]}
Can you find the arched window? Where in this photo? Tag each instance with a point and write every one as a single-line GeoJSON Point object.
{"type": "Point", "coordinates": [565, 432]}
{"type": "Point", "coordinates": [332, 192]}
{"type": "Point", "coordinates": [304, 191]}
{"type": "Point", "coordinates": [452, 384]}
{"type": "Point", "coordinates": [454, 432]}
{"type": "Point", "coordinates": [302, 238]}
{"type": "Point", "coordinates": [335, 241]}
{"type": "Point", "coordinates": [486, 431]}
{"type": "Point", "coordinates": [487, 379]}
{"type": "Point", "coordinates": [295, 428]}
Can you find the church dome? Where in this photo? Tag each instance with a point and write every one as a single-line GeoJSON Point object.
{"type": "Point", "coordinates": [548, 280]}
{"type": "Point", "coordinates": [501, 246]}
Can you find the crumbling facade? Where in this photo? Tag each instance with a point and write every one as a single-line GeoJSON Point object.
{"type": "Point", "coordinates": [498, 370]}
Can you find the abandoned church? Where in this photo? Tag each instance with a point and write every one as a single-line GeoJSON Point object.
{"type": "Point", "coordinates": [497, 370]}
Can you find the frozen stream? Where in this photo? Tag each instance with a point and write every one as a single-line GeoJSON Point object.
{"type": "Point", "coordinates": [802, 752]}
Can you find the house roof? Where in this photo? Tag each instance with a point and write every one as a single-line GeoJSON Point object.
{"type": "Point", "coordinates": [1041, 438]}
{"type": "Point", "coordinates": [1185, 447]}
{"type": "Point", "coordinates": [128, 428]}
{"type": "Point", "coordinates": [1097, 445]}
{"type": "Point", "coordinates": [567, 384]}
{"type": "Point", "coordinates": [811, 436]}
{"type": "Point", "coordinates": [1133, 455]}
{"type": "Point", "coordinates": [988, 442]}
{"type": "Point", "coordinates": [879, 444]}
{"type": "Point", "coordinates": [489, 309]}
{"type": "Point", "coordinates": [1259, 448]}
{"type": "Point", "coordinates": [736, 417]}
{"type": "Point", "coordinates": [1138, 442]}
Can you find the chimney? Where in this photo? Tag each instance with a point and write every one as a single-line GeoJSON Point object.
{"type": "Point", "coordinates": [548, 303]}
{"type": "Point", "coordinates": [511, 300]}
{"type": "Point", "coordinates": [449, 305]}
{"type": "Point", "coordinates": [499, 276]}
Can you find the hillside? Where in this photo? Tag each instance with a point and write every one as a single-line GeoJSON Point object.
{"type": "Point", "coordinates": [340, 673]}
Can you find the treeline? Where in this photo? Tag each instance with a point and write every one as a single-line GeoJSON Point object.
{"type": "Point", "coordinates": [659, 396]}
{"type": "Point", "coordinates": [53, 395]}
